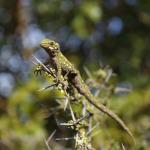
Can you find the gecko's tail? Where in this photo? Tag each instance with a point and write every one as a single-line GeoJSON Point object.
{"type": "Point", "coordinates": [111, 114]}
{"type": "Point", "coordinates": [83, 89]}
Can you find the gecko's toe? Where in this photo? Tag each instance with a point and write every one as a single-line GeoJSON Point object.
{"type": "Point", "coordinates": [37, 72]}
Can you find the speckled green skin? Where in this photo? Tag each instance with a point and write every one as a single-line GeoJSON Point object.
{"type": "Point", "coordinates": [64, 67]}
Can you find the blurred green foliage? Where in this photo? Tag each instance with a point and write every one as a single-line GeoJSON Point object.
{"type": "Point", "coordinates": [113, 32]}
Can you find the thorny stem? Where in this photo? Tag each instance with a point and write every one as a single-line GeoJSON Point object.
{"type": "Point", "coordinates": [82, 134]}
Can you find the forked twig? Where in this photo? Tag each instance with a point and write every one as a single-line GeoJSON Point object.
{"type": "Point", "coordinates": [48, 140]}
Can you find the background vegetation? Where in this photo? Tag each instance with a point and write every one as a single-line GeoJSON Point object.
{"type": "Point", "coordinates": [109, 32]}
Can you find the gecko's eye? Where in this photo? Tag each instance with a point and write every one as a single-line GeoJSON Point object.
{"type": "Point", "coordinates": [52, 43]}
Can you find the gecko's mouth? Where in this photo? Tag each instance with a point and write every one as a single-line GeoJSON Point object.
{"type": "Point", "coordinates": [51, 48]}
{"type": "Point", "coordinates": [44, 45]}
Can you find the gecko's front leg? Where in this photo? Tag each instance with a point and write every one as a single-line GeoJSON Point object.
{"type": "Point", "coordinates": [41, 67]}
{"type": "Point", "coordinates": [58, 72]}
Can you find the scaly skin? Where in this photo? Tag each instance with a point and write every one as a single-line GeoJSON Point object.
{"type": "Point", "coordinates": [64, 67]}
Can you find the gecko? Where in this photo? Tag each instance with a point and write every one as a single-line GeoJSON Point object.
{"type": "Point", "coordinates": [64, 67]}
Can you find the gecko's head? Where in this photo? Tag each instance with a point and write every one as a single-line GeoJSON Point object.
{"type": "Point", "coordinates": [50, 46]}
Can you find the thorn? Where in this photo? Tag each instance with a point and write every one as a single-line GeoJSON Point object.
{"type": "Point", "coordinates": [123, 147]}
{"type": "Point", "coordinates": [87, 72]}
{"type": "Point", "coordinates": [84, 108]}
{"type": "Point", "coordinates": [66, 103]}
{"type": "Point", "coordinates": [109, 75]}
{"type": "Point", "coordinates": [89, 132]}
{"type": "Point", "coordinates": [50, 137]}
{"type": "Point", "coordinates": [97, 92]}
{"type": "Point", "coordinates": [68, 138]}
{"type": "Point", "coordinates": [72, 113]}
{"type": "Point", "coordinates": [36, 59]}
{"type": "Point", "coordinates": [66, 124]}
{"type": "Point", "coordinates": [121, 89]}
{"type": "Point", "coordinates": [42, 89]}
{"type": "Point", "coordinates": [33, 62]}
{"type": "Point", "coordinates": [90, 124]}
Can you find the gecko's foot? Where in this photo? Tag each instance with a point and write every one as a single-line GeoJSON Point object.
{"type": "Point", "coordinates": [63, 82]}
{"type": "Point", "coordinates": [58, 81]}
{"type": "Point", "coordinates": [38, 70]}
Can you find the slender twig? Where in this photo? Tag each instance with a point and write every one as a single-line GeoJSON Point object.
{"type": "Point", "coordinates": [82, 118]}
{"type": "Point", "coordinates": [47, 87]}
{"type": "Point", "coordinates": [76, 121]}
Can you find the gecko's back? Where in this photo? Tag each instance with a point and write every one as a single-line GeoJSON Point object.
{"type": "Point", "coordinates": [66, 65]}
